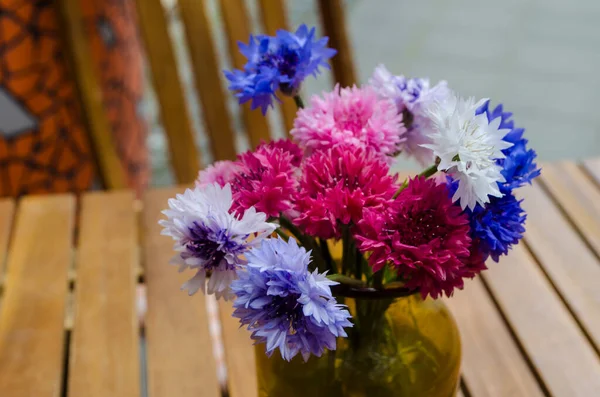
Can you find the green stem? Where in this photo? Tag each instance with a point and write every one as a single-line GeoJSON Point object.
{"type": "Point", "coordinates": [327, 256]}
{"type": "Point", "coordinates": [299, 102]}
{"type": "Point", "coordinates": [349, 281]}
{"type": "Point", "coordinates": [378, 279]}
{"type": "Point", "coordinates": [282, 234]}
{"type": "Point", "coordinates": [358, 262]}
{"type": "Point", "coordinates": [426, 173]}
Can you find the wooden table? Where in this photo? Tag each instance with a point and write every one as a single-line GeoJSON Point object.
{"type": "Point", "coordinates": [72, 274]}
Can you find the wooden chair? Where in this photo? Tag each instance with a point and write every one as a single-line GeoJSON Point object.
{"type": "Point", "coordinates": [207, 73]}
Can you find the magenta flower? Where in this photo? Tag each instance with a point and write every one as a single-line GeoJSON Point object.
{"type": "Point", "coordinates": [288, 146]}
{"type": "Point", "coordinates": [350, 116]}
{"type": "Point", "coordinates": [221, 172]}
{"type": "Point", "coordinates": [266, 180]}
{"type": "Point", "coordinates": [337, 185]}
{"type": "Point", "coordinates": [423, 236]}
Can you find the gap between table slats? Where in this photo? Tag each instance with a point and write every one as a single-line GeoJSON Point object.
{"type": "Point", "coordinates": [556, 346]}
{"type": "Point", "coordinates": [573, 269]}
{"type": "Point", "coordinates": [7, 208]}
{"type": "Point", "coordinates": [179, 347]}
{"type": "Point", "coordinates": [492, 364]}
{"type": "Point", "coordinates": [239, 355]}
{"type": "Point", "coordinates": [32, 317]}
{"type": "Point", "coordinates": [105, 359]}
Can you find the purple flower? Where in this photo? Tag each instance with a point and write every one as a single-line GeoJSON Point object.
{"type": "Point", "coordinates": [286, 306]}
{"type": "Point", "coordinates": [278, 63]}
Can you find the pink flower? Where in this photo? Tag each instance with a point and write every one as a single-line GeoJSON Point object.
{"type": "Point", "coordinates": [337, 185]}
{"type": "Point", "coordinates": [350, 116]}
{"type": "Point", "coordinates": [287, 146]}
{"type": "Point", "coordinates": [423, 236]}
{"type": "Point", "coordinates": [265, 180]}
{"type": "Point", "coordinates": [221, 172]}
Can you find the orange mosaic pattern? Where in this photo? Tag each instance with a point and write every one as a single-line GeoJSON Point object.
{"type": "Point", "coordinates": [48, 149]}
{"type": "Point", "coordinates": [43, 143]}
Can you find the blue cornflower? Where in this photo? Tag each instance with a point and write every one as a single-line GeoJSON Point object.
{"type": "Point", "coordinates": [278, 63]}
{"type": "Point", "coordinates": [497, 226]}
{"type": "Point", "coordinates": [285, 305]}
{"type": "Point", "coordinates": [519, 167]}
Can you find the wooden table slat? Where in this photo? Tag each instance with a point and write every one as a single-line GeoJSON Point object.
{"type": "Point", "coordinates": [556, 346]}
{"type": "Point", "coordinates": [239, 355]}
{"type": "Point", "coordinates": [578, 196]}
{"type": "Point", "coordinates": [105, 357]}
{"type": "Point", "coordinates": [7, 208]}
{"type": "Point", "coordinates": [179, 347]}
{"type": "Point", "coordinates": [492, 364]}
{"type": "Point", "coordinates": [573, 268]}
{"type": "Point", "coordinates": [33, 310]}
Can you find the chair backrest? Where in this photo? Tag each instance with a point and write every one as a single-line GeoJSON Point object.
{"type": "Point", "coordinates": [162, 61]}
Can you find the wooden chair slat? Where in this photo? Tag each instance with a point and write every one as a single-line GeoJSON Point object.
{"type": "Point", "coordinates": [592, 166]}
{"type": "Point", "coordinates": [237, 28]}
{"type": "Point", "coordinates": [167, 84]}
{"type": "Point", "coordinates": [105, 341]}
{"type": "Point", "coordinates": [207, 73]}
{"type": "Point", "coordinates": [274, 16]}
{"type": "Point", "coordinates": [7, 208]}
{"type": "Point", "coordinates": [459, 393]}
{"type": "Point", "coordinates": [33, 310]}
{"type": "Point", "coordinates": [578, 197]}
{"type": "Point", "coordinates": [492, 364]}
{"type": "Point", "coordinates": [90, 93]}
{"type": "Point", "coordinates": [544, 326]}
{"type": "Point", "coordinates": [333, 19]}
{"type": "Point", "coordinates": [239, 355]}
{"type": "Point", "coordinates": [179, 347]}
{"type": "Point", "coordinates": [566, 259]}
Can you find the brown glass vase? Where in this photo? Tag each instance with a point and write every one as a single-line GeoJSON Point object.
{"type": "Point", "coordinates": [403, 346]}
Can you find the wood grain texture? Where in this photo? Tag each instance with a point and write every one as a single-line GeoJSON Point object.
{"type": "Point", "coordinates": [556, 346]}
{"type": "Point", "coordinates": [237, 28]}
{"type": "Point", "coordinates": [573, 268]}
{"type": "Point", "coordinates": [592, 166]}
{"type": "Point", "coordinates": [492, 364]}
{"type": "Point", "coordinates": [179, 347]}
{"type": "Point", "coordinates": [167, 84]}
{"type": "Point", "coordinates": [90, 94]}
{"type": "Point", "coordinates": [578, 196]}
{"type": "Point", "coordinates": [33, 309]}
{"type": "Point", "coordinates": [7, 208]}
{"type": "Point", "coordinates": [239, 355]}
{"type": "Point", "coordinates": [333, 20]}
{"type": "Point", "coordinates": [105, 343]}
{"type": "Point", "coordinates": [208, 75]}
{"type": "Point", "coordinates": [274, 16]}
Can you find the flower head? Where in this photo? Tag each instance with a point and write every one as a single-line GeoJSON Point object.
{"type": "Point", "coordinates": [423, 236]}
{"type": "Point", "coordinates": [518, 167]}
{"type": "Point", "coordinates": [468, 146]}
{"type": "Point", "coordinates": [287, 146]}
{"type": "Point", "coordinates": [337, 185]}
{"type": "Point", "coordinates": [286, 306]}
{"type": "Point", "coordinates": [350, 116]}
{"type": "Point", "coordinates": [266, 180]}
{"type": "Point", "coordinates": [413, 98]}
{"type": "Point", "coordinates": [208, 238]}
{"type": "Point", "coordinates": [278, 63]}
{"type": "Point", "coordinates": [221, 172]}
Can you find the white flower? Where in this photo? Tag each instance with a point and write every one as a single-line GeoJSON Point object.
{"type": "Point", "coordinates": [208, 238]}
{"type": "Point", "coordinates": [414, 97]}
{"type": "Point", "coordinates": [468, 147]}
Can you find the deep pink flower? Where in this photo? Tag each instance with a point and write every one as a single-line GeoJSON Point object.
{"type": "Point", "coordinates": [266, 180]}
{"type": "Point", "coordinates": [350, 116]}
{"type": "Point", "coordinates": [221, 172]}
{"type": "Point", "coordinates": [423, 236]}
{"type": "Point", "coordinates": [337, 185]}
{"type": "Point", "coordinates": [287, 145]}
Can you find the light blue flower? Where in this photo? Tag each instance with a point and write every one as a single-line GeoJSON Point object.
{"type": "Point", "coordinates": [286, 306]}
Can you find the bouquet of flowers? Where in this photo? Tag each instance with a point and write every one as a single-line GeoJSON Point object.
{"type": "Point", "coordinates": [259, 230]}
